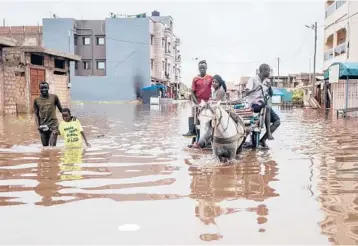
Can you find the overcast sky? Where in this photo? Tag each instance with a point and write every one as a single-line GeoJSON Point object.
{"type": "Point", "coordinates": [233, 36]}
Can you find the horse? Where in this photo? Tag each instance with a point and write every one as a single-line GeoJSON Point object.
{"type": "Point", "coordinates": [227, 135]}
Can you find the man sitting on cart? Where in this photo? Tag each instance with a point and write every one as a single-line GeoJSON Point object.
{"type": "Point", "coordinates": [256, 89]}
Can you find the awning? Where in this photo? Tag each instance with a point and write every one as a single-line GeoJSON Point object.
{"type": "Point", "coordinates": [346, 69]}
{"type": "Point", "coordinates": [154, 87]}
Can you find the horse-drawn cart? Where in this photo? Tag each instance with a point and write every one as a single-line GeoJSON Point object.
{"type": "Point", "coordinates": [253, 122]}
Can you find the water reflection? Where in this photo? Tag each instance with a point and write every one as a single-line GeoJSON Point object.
{"type": "Point", "coordinates": [138, 158]}
{"type": "Point", "coordinates": [248, 180]}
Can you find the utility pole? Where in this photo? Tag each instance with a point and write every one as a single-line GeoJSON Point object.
{"type": "Point", "coordinates": [314, 28]}
{"type": "Point", "coordinates": [278, 70]}
{"type": "Point", "coordinates": [314, 58]}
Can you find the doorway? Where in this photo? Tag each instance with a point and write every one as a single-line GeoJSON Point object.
{"type": "Point", "coordinates": [36, 77]}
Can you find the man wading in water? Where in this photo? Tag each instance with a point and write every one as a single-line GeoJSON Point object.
{"type": "Point", "coordinates": [200, 90]}
{"type": "Point", "coordinates": [45, 115]}
{"type": "Point", "coordinates": [258, 93]}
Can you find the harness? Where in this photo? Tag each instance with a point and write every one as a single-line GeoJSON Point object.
{"type": "Point", "coordinates": [217, 121]}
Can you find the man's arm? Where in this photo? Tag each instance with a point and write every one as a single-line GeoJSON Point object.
{"type": "Point", "coordinates": [58, 103]}
{"type": "Point", "coordinates": [193, 90]}
{"type": "Point", "coordinates": [249, 88]}
{"type": "Point", "coordinates": [37, 114]}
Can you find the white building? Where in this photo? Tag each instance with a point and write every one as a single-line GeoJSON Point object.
{"type": "Point", "coordinates": [165, 52]}
{"type": "Point", "coordinates": [341, 27]}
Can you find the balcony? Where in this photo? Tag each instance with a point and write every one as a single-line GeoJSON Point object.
{"type": "Point", "coordinates": [328, 54]}
{"type": "Point", "coordinates": [178, 59]}
{"type": "Point", "coordinates": [333, 6]}
{"type": "Point", "coordinates": [340, 49]}
{"type": "Point", "coordinates": [168, 32]}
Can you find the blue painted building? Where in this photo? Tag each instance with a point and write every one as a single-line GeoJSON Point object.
{"type": "Point", "coordinates": [114, 51]}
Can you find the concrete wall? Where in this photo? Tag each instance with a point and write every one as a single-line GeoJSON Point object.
{"type": "Point", "coordinates": [128, 48]}
{"type": "Point", "coordinates": [58, 34]}
{"type": "Point", "coordinates": [102, 89]}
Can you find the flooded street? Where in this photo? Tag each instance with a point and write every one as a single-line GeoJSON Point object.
{"type": "Point", "coordinates": [139, 184]}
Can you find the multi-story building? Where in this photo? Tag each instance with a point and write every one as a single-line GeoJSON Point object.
{"type": "Point", "coordinates": [115, 53]}
{"type": "Point", "coordinates": [341, 24]}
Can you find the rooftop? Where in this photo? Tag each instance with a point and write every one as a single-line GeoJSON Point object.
{"type": "Point", "coordinates": [38, 49]}
{"type": "Point", "coordinates": [5, 41]}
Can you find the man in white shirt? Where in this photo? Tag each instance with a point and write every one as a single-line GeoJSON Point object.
{"type": "Point", "coordinates": [258, 91]}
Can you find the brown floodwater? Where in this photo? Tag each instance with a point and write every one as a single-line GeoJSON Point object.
{"type": "Point", "coordinates": [139, 184]}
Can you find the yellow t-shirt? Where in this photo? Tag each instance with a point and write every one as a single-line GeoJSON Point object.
{"type": "Point", "coordinates": [71, 132]}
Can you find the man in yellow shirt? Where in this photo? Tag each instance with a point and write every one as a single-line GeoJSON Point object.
{"type": "Point", "coordinates": [71, 130]}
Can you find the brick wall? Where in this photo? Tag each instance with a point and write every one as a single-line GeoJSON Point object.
{"type": "Point", "coordinates": [14, 91]}
{"type": "Point", "coordinates": [1, 90]}
{"type": "Point", "coordinates": [59, 87]}
{"type": "Point", "coordinates": [24, 35]}
{"type": "Point", "coordinates": [16, 82]}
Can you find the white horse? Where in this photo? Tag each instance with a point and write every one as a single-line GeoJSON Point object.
{"type": "Point", "coordinates": [227, 136]}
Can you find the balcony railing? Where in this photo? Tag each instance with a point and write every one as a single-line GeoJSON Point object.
{"type": "Point", "coordinates": [336, 5]}
{"type": "Point", "coordinates": [340, 49]}
{"type": "Point", "coordinates": [328, 54]}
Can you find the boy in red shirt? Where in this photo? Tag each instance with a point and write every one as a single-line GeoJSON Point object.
{"type": "Point", "coordinates": [200, 90]}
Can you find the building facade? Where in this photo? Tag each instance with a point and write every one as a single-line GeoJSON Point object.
{"type": "Point", "coordinates": [117, 53]}
{"type": "Point", "coordinates": [22, 68]}
{"type": "Point", "coordinates": [341, 24]}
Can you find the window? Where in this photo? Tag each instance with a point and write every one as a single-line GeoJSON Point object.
{"type": "Point", "coordinates": [169, 47]}
{"type": "Point", "coordinates": [75, 39]}
{"type": "Point", "coordinates": [101, 65]}
{"type": "Point", "coordinates": [86, 40]}
{"type": "Point", "coordinates": [86, 65]}
{"type": "Point", "coordinates": [100, 40]}
{"type": "Point", "coordinates": [151, 39]}
{"type": "Point", "coordinates": [163, 63]}
{"type": "Point", "coordinates": [37, 60]}
{"type": "Point", "coordinates": [76, 65]}
{"type": "Point", "coordinates": [163, 42]}
{"type": "Point", "coordinates": [151, 64]}
{"type": "Point", "coordinates": [59, 64]}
